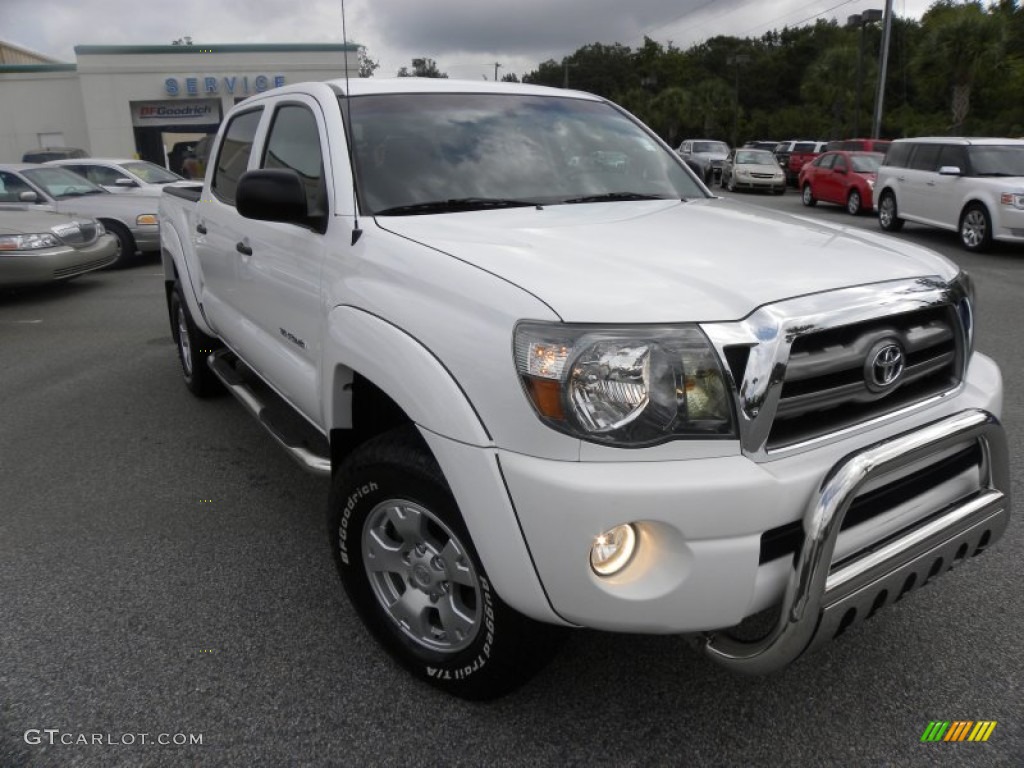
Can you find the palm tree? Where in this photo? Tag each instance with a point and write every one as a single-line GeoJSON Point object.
{"type": "Point", "coordinates": [960, 43]}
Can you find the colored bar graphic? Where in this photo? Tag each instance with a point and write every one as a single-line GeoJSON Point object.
{"type": "Point", "coordinates": [958, 730]}
{"type": "Point", "coordinates": [935, 731]}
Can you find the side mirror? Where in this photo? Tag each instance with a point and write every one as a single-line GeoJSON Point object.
{"type": "Point", "coordinates": [950, 170]}
{"type": "Point", "coordinates": [840, 170]}
{"type": "Point", "coordinates": [28, 197]}
{"type": "Point", "coordinates": [272, 195]}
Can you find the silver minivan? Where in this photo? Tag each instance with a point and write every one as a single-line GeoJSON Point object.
{"type": "Point", "coordinates": [974, 187]}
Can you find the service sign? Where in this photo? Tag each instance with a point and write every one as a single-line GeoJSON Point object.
{"type": "Point", "coordinates": [232, 85]}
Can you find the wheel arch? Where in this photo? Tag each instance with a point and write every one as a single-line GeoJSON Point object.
{"type": "Point", "coordinates": [377, 376]}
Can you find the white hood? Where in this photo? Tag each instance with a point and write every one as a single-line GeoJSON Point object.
{"type": "Point", "coordinates": [666, 261]}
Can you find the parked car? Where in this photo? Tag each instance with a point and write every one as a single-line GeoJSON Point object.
{"type": "Point", "coordinates": [708, 154]}
{"type": "Point", "coordinates": [793, 155]}
{"type": "Point", "coordinates": [674, 411]}
{"type": "Point", "coordinates": [46, 154]}
{"type": "Point", "coordinates": [762, 144]}
{"type": "Point", "coordinates": [131, 219]}
{"type": "Point", "coordinates": [859, 145]}
{"type": "Point", "coordinates": [844, 178]}
{"type": "Point", "coordinates": [116, 175]}
{"type": "Point", "coordinates": [753, 169]}
{"type": "Point", "coordinates": [971, 186]}
{"type": "Point", "coordinates": [42, 246]}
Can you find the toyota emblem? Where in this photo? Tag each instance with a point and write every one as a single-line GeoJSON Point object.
{"type": "Point", "coordinates": [884, 365]}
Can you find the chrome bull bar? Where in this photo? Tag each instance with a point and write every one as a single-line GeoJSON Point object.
{"type": "Point", "coordinates": [820, 602]}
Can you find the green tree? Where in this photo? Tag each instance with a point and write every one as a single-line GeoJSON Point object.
{"type": "Point", "coordinates": [961, 44]}
{"type": "Point", "coordinates": [830, 84]}
{"type": "Point", "coordinates": [367, 66]}
{"type": "Point", "coordinates": [422, 68]}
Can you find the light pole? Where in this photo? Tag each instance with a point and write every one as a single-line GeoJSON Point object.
{"type": "Point", "coordinates": [738, 59]}
{"type": "Point", "coordinates": [876, 127]}
{"type": "Point", "coordinates": [496, 65]}
{"type": "Point", "coordinates": [861, 20]}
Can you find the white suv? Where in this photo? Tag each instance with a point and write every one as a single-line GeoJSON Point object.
{"type": "Point", "coordinates": [971, 186]}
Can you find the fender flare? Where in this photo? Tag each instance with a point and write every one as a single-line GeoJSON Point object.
{"type": "Point", "coordinates": [172, 254]}
{"type": "Point", "coordinates": [358, 341]}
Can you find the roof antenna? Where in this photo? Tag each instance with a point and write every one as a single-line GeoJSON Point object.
{"type": "Point", "coordinates": [345, 121]}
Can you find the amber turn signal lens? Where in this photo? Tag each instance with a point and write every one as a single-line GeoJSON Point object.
{"type": "Point", "coordinates": [547, 397]}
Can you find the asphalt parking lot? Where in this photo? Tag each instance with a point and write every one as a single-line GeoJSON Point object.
{"type": "Point", "coordinates": [164, 570]}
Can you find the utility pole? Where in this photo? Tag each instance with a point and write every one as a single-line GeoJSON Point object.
{"type": "Point", "coordinates": [496, 65]}
{"type": "Point", "coordinates": [738, 59]}
{"type": "Point", "coordinates": [565, 77]}
{"type": "Point", "coordinates": [876, 127]}
{"type": "Point", "coordinates": [861, 20]}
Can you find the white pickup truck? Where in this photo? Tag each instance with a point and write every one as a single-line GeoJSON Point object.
{"type": "Point", "coordinates": [557, 383]}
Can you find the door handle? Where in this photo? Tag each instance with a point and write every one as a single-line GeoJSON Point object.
{"type": "Point", "coordinates": [201, 229]}
{"type": "Point", "coordinates": [931, 183]}
{"type": "Point", "coordinates": [901, 178]}
{"type": "Point", "coordinates": [243, 249]}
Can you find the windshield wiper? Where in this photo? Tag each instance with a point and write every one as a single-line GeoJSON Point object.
{"type": "Point", "coordinates": [615, 196]}
{"type": "Point", "coordinates": [81, 192]}
{"type": "Point", "coordinates": [998, 173]}
{"type": "Point", "coordinates": [455, 205]}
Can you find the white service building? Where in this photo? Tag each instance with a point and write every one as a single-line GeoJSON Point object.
{"type": "Point", "coordinates": [125, 101]}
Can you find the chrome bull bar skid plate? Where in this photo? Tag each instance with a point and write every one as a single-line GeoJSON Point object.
{"type": "Point", "coordinates": [821, 602]}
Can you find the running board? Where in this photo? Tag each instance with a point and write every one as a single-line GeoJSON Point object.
{"type": "Point", "coordinates": [303, 443]}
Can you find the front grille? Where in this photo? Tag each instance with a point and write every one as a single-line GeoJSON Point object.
{"type": "Point", "coordinates": [76, 233]}
{"type": "Point", "coordinates": [77, 269]}
{"type": "Point", "coordinates": [828, 383]}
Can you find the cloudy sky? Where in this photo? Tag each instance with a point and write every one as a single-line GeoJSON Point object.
{"type": "Point", "coordinates": [465, 37]}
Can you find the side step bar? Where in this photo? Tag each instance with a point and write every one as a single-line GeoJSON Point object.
{"type": "Point", "coordinates": [306, 446]}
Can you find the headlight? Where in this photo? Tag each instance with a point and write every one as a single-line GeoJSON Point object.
{"type": "Point", "coordinates": [146, 218]}
{"type": "Point", "coordinates": [28, 242]}
{"type": "Point", "coordinates": [626, 387]}
{"type": "Point", "coordinates": [1016, 199]}
{"type": "Point", "coordinates": [871, 183]}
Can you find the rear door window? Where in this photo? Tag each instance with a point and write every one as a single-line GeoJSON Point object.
{"type": "Point", "coordinates": [233, 154]}
{"type": "Point", "coordinates": [898, 155]}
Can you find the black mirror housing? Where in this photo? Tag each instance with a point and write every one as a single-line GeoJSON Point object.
{"type": "Point", "coordinates": [272, 195]}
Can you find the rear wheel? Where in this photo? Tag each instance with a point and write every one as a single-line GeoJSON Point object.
{"type": "Point", "coordinates": [411, 572]}
{"type": "Point", "coordinates": [888, 218]}
{"type": "Point", "coordinates": [853, 203]}
{"type": "Point", "coordinates": [194, 347]}
{"type": "Point", "coordinates": [807, 195]}
{"type": "Point", "coordinates": [976, 228]}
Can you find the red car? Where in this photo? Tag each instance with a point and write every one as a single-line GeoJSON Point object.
{"type": "Point", "coordinates": [845, 178]}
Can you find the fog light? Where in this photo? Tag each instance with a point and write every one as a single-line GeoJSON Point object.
{"type": "Point", "coordinates": [612, 550]}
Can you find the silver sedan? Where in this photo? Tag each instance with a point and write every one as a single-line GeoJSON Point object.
{"type": "Point", "coordinates": [41, 247]}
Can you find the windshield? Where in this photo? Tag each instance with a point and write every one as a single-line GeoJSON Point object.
{"type": "Point", "coordinates": [997, 160]}
{"type": "Point", "coordinates": [151, 173]}
{"type": "Point", "coordinates": [444, 152]}
{"type": "Point", "coordinates": [710, 148]}
{"type": "Point", "coordinates": [755, 157]}
{"type": "Point", "coordinates": [867, 163]}
{"type": "Point", "coordinates": [60, 183]}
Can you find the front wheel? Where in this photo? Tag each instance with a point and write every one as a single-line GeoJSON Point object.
{"type": "Point", "coordinates": [853, 203]}
{"type": "Point", "coordinates": [807, 196]}
{"type": "Point", "coordinates": [409, 567]}
{"type": "Point", "coordinates": [976, 228]}
{"type": "Point", "coordinates": [888, 218]}
{"type": "Point", "coordinates": [125, 243]}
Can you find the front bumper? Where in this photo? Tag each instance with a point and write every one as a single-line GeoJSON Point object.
{"type": "Point", "coordinates": [746, 182]}
{"type": "Point", "coordinates": [49, 264]}
{"type": "Point", "coordinates": [700, 563]}
{"type": "Point", "coordinates": [147, 237]}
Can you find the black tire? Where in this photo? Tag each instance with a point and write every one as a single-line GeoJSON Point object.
{"type": "Point", "coordinates": [854, 205]}
{"type": "Point", "coordinates": [975, 228]}
{"type": "Point", "coordinates": [888, 213]}
{"type": "Point", "coordinates": [125, 243]}
{"type": "Point", "coordinates": [393, 477]}
{"type": "Point", "coordinates": [778, 190]}
{"type": "Point", "coordinates": [194, 347]}
{"type": "Point", "coordinates": [807, 196]}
